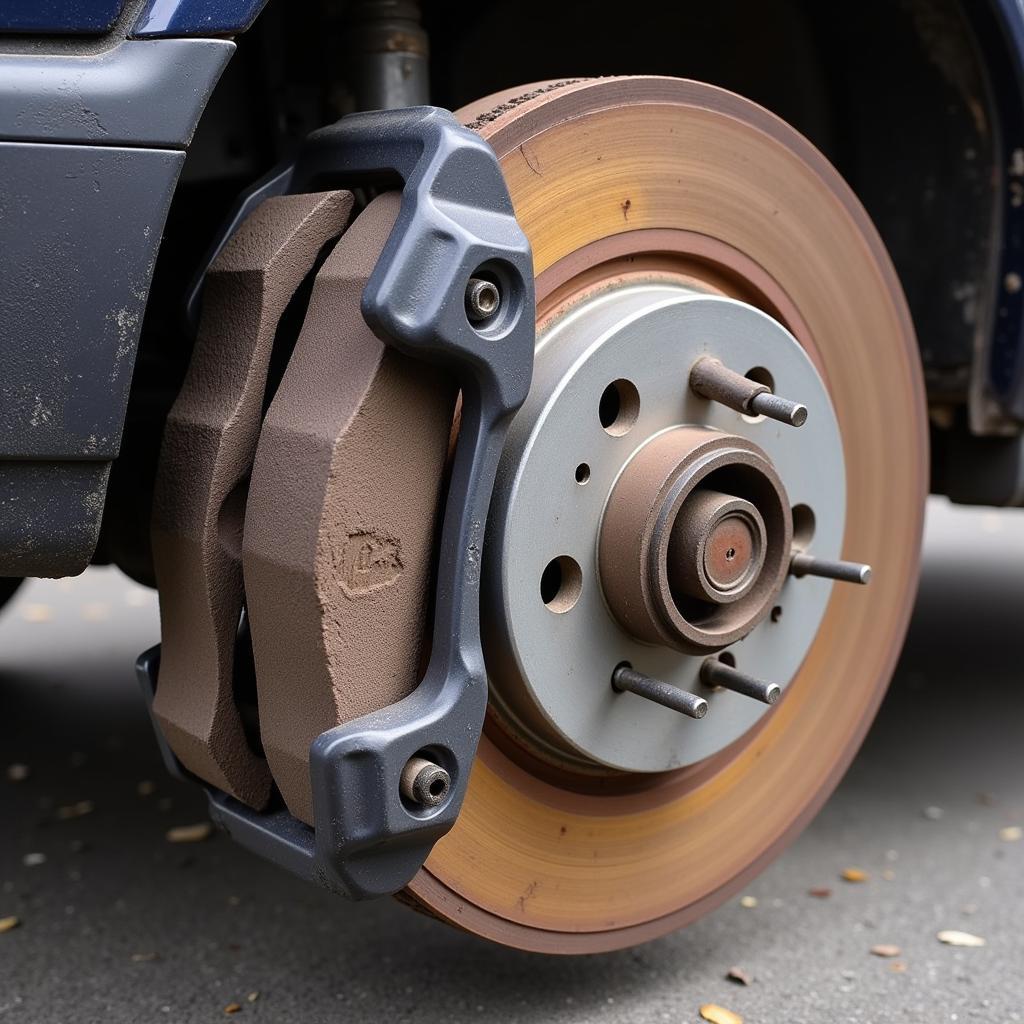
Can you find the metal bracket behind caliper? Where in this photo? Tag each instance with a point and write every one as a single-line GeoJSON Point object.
{"type": "Point", "coordinates": [456, 220]}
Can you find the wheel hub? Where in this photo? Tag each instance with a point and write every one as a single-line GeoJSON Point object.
{"type": "Point", "coordinates": [674, 542]}
{"type": "Point", "coordinates": [683, 563]}
{"type": "Point", "coordinates": [722, 541]}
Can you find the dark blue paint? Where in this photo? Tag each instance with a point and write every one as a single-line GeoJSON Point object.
{"type": "Point", "coordinates": [59, 17]}
{"type": "Point", "coordinates": [196, 17]}
{"type": "Point", "coordinates": [1000, 31]}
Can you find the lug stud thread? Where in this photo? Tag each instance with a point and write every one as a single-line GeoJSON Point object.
{"type": "Point", "coordinates": [712, 379]}
{"type": "Point", "coordinates": [716, 673]}
{"type": "Point", "coordinates": [668, 696]}
{"type": "Point", "coordinates": [846, 572]}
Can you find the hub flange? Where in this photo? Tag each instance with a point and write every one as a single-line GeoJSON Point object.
{"type": "Point", "coordinates": [672, 530]}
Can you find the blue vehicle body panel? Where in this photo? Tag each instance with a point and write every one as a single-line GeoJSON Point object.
{"type": "Point", "coordinates": [59, 17]}
{"type": "Point", "coordinates": [120, 96]}
{"type": "Point", "coordinates": [91, 147]}
{"type": "Point", "coordinates": [1006, 352]}
{"type": "Point", "coordinates": [157, 18]}
{"type": "Point", "coordinates": [196, 17]}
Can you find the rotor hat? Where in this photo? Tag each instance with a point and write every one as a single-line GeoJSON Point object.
{"type": "Point", "coordinates": [683, 563]}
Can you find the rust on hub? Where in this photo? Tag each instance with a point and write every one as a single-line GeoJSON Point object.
{"type": "Point", "coordinates": [666, 525]}
{"type": "Point", "coordinates": [717, 547]}
{"type": "Point", "coordinates": [728, 552]}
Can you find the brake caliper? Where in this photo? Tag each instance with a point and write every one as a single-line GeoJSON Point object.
{"type": "Point", "coordinates": [453, 286]}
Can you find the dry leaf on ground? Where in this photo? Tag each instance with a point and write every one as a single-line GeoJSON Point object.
{"type": "Point", "coordinates": [719, 1014]}
{"type": "Point", "coordinates": [78, 810]}
{"type": "Point", "coordinates": [190, 833]}
{"type": "Point", "coordinates": [952, 937]}
{"type": "Point", "coordinates": [854, 875]}
{"type": "Point", "coordinates": [95, 611]}
{"type": "Point", "coordinates": [232, 1007]}
{"type": "Point", "coordinates": [882, 949]}
{"type": "Point", "coordinates": [9, 923]}
{"type": "Point", "coordinates": [37, 613]}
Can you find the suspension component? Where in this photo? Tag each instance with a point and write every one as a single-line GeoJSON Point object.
{"type": "Point", "coordinates": [386, 58]}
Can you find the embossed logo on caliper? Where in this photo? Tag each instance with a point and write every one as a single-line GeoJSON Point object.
{"type": "Point", "coordinates": [369, 561]}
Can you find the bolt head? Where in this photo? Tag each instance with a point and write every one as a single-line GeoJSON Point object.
{"type": "Point", "coordinates": [483, 299]}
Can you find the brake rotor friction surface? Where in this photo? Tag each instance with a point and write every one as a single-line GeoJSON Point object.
{"type": "Point", "coordinates": [607, 177]}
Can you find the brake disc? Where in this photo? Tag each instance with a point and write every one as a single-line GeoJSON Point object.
{"type": "Point", "coordinates": [671, 220]}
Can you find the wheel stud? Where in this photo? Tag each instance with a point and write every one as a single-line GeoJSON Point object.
{"type": "Point", "coordinates": [668, 696]}
{"type": "Point", "coordinates": [716, 673]}
{"type": "Point", "coordinates": [711, 379]}
{"type": "Point", "coordinates": [847, 572]}
{"type": "Point", "coordinates": [781, 409]}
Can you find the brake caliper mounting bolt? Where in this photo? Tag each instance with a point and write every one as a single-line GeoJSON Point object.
{"type": "Point", "coordinates": [717, 673]}
{"type": "Point", "coordinates": [483, 299]}
{"type": "Point", "coordinates": [847, 572]}
{"type": "Point", "coordinates": [665, 694]}
{"type": "Point", "coordinates": [713, 380]}
{"type": "Point", "coordinates": [424, 783]}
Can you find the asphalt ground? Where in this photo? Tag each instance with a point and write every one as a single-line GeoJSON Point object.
{"type": "Point", "coordinates": [115, 923]}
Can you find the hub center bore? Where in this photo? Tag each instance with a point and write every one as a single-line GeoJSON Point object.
{"type": "Point", "coordinates": [639, 529]}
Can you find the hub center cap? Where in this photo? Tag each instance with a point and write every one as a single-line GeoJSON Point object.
{"type": "Point", "coordinates": [636, 523]}
{"type": "Point", "coordinates": [730, 553]}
